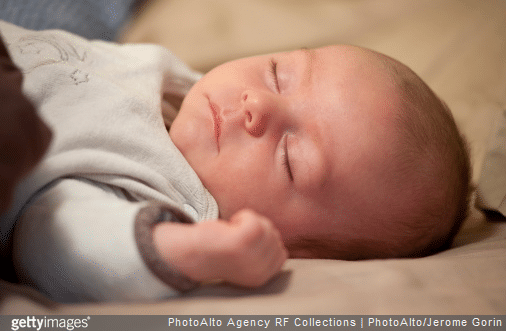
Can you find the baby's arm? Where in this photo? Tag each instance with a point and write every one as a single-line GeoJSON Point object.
{"type": "Point", "coordinates": [246, 250]}
{"type": "Point", "coordinates": [76, 241]}
{"type": "Point", "coordinates": [82, 241]}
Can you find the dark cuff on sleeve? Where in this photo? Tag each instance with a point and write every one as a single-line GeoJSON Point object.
{"type": "Point", "coordinates": [147, 218]}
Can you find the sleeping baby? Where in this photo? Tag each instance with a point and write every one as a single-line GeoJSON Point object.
{"type": "Point", "coordinates": [338, 152]}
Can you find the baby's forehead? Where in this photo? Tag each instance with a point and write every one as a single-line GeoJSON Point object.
{"type": "Point", "coordinates": [352, 57]}
{"type": "Point", "coordinates": [354, 114]}
{"type": "Point", "coordinates": [360, 148]}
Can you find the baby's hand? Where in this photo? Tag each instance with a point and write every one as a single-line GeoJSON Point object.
{"type": "Point", "coordinates": [250, 251]}
{"type": "Point", "coordinates": [246, 250]}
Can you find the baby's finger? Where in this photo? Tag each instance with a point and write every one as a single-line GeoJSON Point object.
{"type": "Point", "coordinates": [241, 215]}
{"type": "Point", "coordinates": [275, 262]}
{"type": "Point", "coordinates": [253, 229]}
{"type": "Point", "coordinates": [274, 252]}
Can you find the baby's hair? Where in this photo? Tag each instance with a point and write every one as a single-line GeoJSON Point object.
{"type": "Point", "coordinates": [431, 163]}
{"type": "Point", "coordinates": [428, 131]}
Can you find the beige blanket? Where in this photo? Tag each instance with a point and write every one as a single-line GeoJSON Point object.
{"type": "Point", "coordinates": [458, 47]}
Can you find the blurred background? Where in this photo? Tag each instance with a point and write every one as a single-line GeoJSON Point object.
{"type": "Point", "coordinates": [92, 19]}
{"type": "Point", "coordinates": [208, 32]}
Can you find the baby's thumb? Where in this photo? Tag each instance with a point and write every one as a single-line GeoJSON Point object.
{"type": "Point", "coordinates": [241, 216]}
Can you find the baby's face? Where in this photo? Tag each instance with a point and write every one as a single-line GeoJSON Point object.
{"type": "Point", "coordinates": [300, 137]}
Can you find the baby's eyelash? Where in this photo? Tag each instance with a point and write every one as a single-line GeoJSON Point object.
{"type": "Point", "coordinates": [274, 72]}
{"type": "Point", "coordinates": [286, 162]}
{"type": "Point", "coordinates": [287, 166]}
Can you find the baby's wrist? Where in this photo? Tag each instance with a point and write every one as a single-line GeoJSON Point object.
{"type": "Point", "coordinates": [178, 245]}
{"type": "Point", "coordinates": [153, 248]}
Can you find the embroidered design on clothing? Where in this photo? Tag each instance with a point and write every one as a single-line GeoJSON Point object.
{"type": "Point", "coordinates": [40, 50]}
{"type": "Point", "coordinates": [79, 77]}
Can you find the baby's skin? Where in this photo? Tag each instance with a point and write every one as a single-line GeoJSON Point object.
{"type": "Point", "coordinates": [278, 140]}
{"type": "Point", "coordinates": [246, 250]}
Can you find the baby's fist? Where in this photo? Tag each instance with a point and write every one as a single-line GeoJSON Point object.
{"type": "Point", "coordinates": [257, 252]}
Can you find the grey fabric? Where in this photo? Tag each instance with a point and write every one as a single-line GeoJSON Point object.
{"type": "Point", "coordinates": [103, 102]}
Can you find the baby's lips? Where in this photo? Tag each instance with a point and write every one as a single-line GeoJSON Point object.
{"type": "Point", "coordinates": [217, 120]}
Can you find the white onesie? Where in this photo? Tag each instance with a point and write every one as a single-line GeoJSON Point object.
{"type": "Point", "coordinates": [83, 217]}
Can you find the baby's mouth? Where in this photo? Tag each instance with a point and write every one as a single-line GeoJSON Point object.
{"type": "Point", "coordinates": [217, 122]}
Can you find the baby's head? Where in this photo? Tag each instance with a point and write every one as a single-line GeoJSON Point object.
{"type": "Point", "coordinates": [346, 150]}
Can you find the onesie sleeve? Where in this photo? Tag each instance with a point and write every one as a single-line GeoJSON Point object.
{"type": "Point", "coordinates": [147, 218]}
{"type": "Point", "coordinates": [84, 241]}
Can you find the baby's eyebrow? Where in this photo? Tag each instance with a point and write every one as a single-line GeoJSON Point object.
{"type": "Point", "coordinates": [308, 72]}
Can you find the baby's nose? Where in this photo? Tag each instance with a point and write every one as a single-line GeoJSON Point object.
{"type": "Point", "coordinates": [257, 108]}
